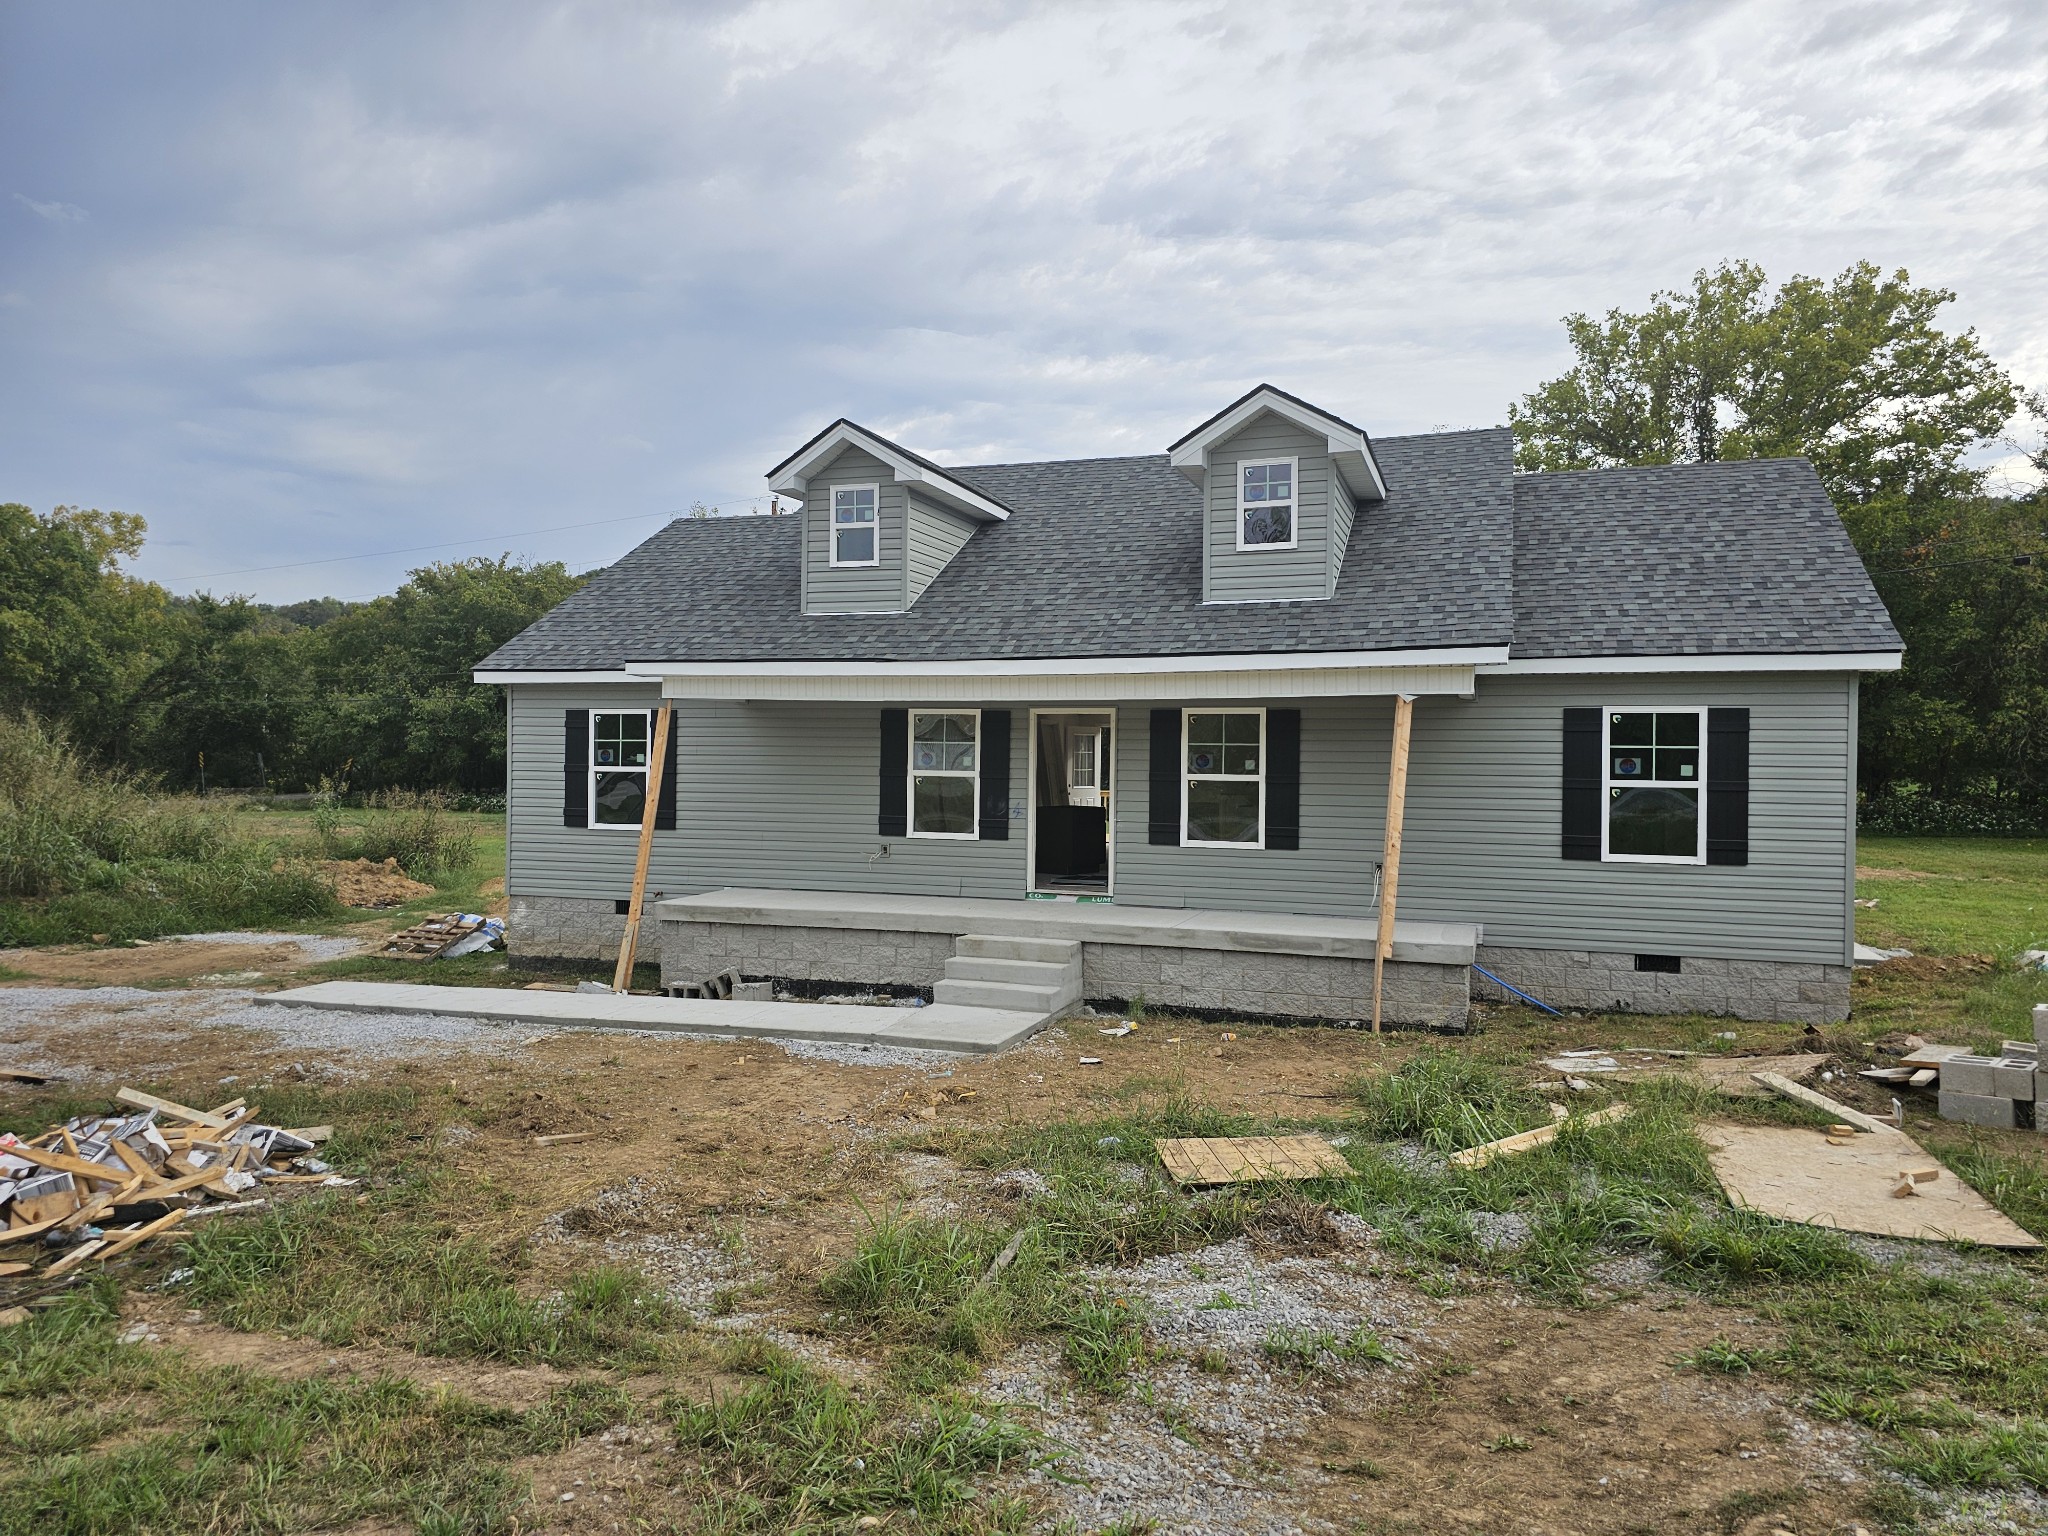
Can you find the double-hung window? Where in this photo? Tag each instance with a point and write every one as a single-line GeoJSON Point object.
{"type": "Point", "coordinates": [945, 773]}
{"type": "Point", "coordinates": [618, 768]}
{"type": "Point", "coordinates": [855, 532]}
{"type": "Point", "coordinates": [1224, 786]}
{"type": "Point", "coordinates": [1655, 775]}
{"type": "Point", "coordinates": [1265, 504]}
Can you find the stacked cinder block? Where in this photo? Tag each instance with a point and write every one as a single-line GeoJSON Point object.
{"type": "Point", "coordinates": [2005, 1090]}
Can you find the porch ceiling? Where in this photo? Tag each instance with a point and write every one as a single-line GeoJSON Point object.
{"type": "Point", "coordinates": [1081, 680]}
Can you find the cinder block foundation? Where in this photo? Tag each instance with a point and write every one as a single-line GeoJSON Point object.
{"type": "Point", "coordinates": [1600, 982]}
{"type": "Point", "coordinates": [1975, 1076]}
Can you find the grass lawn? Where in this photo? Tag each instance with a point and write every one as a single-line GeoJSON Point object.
{"type": "Point", "coordinates": [1953, 895]}
{"type": "Point", "coordinates": [480, 1365]}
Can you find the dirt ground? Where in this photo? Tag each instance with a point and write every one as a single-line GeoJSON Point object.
{"type": "Point", "coordinates": [745, 1170]}
{"type": "Point", "coordinates": [198, 962]}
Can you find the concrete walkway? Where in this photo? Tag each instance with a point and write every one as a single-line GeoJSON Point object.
{"type": "Point", "coordinates": [939, 1027]}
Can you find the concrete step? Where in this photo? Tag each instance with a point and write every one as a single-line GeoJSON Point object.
{"type": "Point", "coordinates": [1034, 973]}
{"type": "Point", "coordinates": [981, 946]}
{"type": "Point", "coordinates": [1011, 995]}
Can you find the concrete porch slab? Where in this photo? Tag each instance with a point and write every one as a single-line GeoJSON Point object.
{"type": "Point", "coordinates": [939, 1027]}
{"type": "Point", "coordinates": [1273, 933]}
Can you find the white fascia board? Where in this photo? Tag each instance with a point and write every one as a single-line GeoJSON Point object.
{"type": "Point", "coordinates": [1343, 442]}
{"type": "Point", "coordinates": [795, 479]}
{"type": "Point", "coordinates": [1812, 661]}
{"type": "Point", "coordinates": [1078, 689]}
{"type": "Point", "coordinates": [1079, 666]}
{"type": "Point", "coordinates": [594, 676]}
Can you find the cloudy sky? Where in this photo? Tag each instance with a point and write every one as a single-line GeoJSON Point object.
{"type": "Point", "coordinates": [308, 281]}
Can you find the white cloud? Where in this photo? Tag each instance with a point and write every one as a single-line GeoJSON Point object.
{"type": "Point", "coordinates": [490, 262]}
{"type": "Point", "coordinates": [54, 213]}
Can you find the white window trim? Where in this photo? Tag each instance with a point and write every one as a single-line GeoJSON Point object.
{"type": "Point", "coordinates": [832, 526]}
{"type": "Point", "coordinates": [1186, 777]}
{"type": "Point", "coordinates": [1608, 783]}
{"type": "Point", "coordinates": [1293, 504]}
{"type": "Point", "coordinates": [590, 752]}
{"type": "Point", "coordinates": [910, 779]}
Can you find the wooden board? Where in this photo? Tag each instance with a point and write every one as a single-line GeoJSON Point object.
{"type": "Point", "coordinates": [1798, 1175]}
{"type": "Point", "coordinates": [1243, 1159]}
{"type": "Point", "coordinates": [1784, 1087]}
{"type": "Point", "coordinates": [1525, 1141]}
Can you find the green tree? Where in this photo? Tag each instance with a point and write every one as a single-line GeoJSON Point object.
{"type": "Point", "coordinates": [392, 676]}
{"type": "Point", "coordinates": [1853, 374]}
{"type": "Point", "coordinates": [1856, 375]}
{"type": "Point", "coordinates": [77, 633]}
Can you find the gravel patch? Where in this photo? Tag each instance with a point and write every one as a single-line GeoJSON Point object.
{"type": "Point", "coordinates": [330, 1039]}
{"type": "Point", "coordinates": [312, 945]}
{"type": "Point", "coordinates": [1184, 1448]}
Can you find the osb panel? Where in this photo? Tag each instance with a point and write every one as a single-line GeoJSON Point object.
{"type": "Point", "coordinates": [1799, 1175]}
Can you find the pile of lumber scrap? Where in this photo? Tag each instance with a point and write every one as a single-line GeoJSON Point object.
{"type": "Point", "coordinates": [96, 1186]}
{"type": "Point", "coordinates": [439, 937]}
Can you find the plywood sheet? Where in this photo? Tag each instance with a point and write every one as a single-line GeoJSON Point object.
{"type": "Point", "coordinates": [1242, 1159]}
{"type": "Point", "coordinates": [1799, 1175]}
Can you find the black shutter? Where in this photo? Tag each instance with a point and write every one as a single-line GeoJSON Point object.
{"type": "Point", "coordinates": [575, 767]}
{"type": "Point", "coordinates": [894, 817]}
{"type": "Point", "coordinates": [995, 775]}
{"type": "Point", "coordinates": [1283, 778]}
{"type": "Point", "coordinates": [1163, 819]}
{"type": "Point", "coordinates": [1727, 786]}
{"type": "Point", "coordinates": [665, 807]}
{"type": "Point", "coordinates": [1583, 783]}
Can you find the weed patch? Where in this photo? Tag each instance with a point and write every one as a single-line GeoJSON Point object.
{"type": "Point", "coordinates": [342, 1272]}
{"type": "Point", "coordinates": [799, 1452]}
{"type": "Point", "coordinates": [223, 1450]}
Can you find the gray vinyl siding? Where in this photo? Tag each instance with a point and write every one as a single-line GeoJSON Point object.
{"type": "Point", "coordinates": [935, 537]}
{"type": "Point", "coordinates": [855, 589]}
{"type": "Point", "coordinates": [784, 795]}
{"type": "Point", "coordinates": [780, 795]}
{"type": "Point", "coordinates": [1231, 575]}
{"type": "Point", "coordinates": [1343, 510]}
{"type": "Point", "coordinates": [1480, 841]}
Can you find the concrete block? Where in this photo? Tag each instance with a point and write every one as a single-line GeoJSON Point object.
{"type": "Point", "coordinates": [1969, 1075]}
{"type": "Point", "coordinates": [2019, 1050]}
{"type": "Point", "coordinates": [2013, 1079]}
{"type": "Point", "coordinates": [2041, 1025]}
{"type": "Point", "coordinates": [1979, 1109]}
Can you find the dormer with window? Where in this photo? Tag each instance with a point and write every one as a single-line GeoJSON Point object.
{"type": "Point", "coordinates": [879, 522]}
{"type": "Point", "coordinates": [1282, 486]}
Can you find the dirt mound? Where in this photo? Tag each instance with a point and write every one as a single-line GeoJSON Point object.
{"type": "Point", "coordinates": [360, 883]}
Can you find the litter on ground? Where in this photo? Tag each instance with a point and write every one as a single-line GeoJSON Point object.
{"type": "Point", "coordinates": [158, 1165]}
{"type": "Point", "coordinates": [1526, 1141]}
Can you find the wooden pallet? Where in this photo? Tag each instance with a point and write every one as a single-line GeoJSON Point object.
{"type": "Point", "coordinates": [1243, 1159]}
{"type": "Point", "coordinates": [423, 941]}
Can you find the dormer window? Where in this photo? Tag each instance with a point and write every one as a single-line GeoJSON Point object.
{"type": "Point", "coordinates": [853, 525]}
{"type": "Point", "coordinates": [1265, 504]}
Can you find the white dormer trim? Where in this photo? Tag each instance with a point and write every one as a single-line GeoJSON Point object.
{"type": "Point", "coordinates": [1350, 449]}
{"type": "Point", "coordinates": [792, 476]}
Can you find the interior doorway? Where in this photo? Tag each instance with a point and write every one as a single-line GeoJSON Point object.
{"type": "Point", "coordinates": [1072, 801]}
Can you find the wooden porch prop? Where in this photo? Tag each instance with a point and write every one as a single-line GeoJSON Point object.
{"type": "Point", "coordinates": [1245, 1159]}
{"type": "Point", "coordinates": [629, 944]}
{"type": "Point", "coordinates": [1390, 863]}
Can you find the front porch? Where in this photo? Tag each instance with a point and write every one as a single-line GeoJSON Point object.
{"type": "Point", "coordinates": [1253, 963]}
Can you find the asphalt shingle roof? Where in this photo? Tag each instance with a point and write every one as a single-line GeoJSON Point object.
{"type": "Point", "coordinates": [1102, 557]}
{"type": "Point", "coordinates": [1689, 560]}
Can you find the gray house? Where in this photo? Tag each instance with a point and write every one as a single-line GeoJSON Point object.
{"type": "Point", "coordinates": [1011, 733]}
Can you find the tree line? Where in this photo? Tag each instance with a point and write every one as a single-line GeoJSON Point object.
{"type": "Point", "coordinates": [1854, 373]}
{"type": "Point", "coordinates": [228, 692]}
